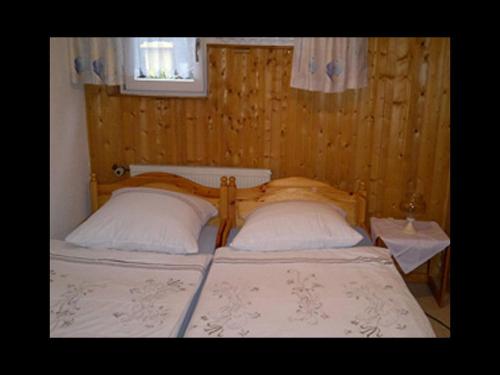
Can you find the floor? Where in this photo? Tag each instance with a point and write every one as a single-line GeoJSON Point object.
{"type": "Point", "coordinates": [426, 299]}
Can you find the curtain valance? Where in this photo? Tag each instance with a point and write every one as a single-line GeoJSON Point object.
{"type": "Point", "coordinates": [330, 64]}
{"type": "Point", "coordinates": [96, 60]}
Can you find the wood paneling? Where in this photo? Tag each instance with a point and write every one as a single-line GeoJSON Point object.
{"type": "Point", "coordinates": [391, 134]}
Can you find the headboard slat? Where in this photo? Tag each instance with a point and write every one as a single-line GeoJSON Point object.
{"type": "Point", "coordinates": [100, 193]}
{"type": "Point", "coordinates": [245, 201]}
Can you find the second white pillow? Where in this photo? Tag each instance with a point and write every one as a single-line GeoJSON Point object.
{"type": "Point", "coordinates": [295, 225]}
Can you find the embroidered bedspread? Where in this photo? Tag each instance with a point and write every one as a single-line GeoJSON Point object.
{"type": "Point", "coordinates": [111, 293]}
{"type": "Point", "coordinates": [355, 292]}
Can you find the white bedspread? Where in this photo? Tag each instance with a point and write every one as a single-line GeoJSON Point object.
{"type": "Point", "coordinates": [355, 292]}
{"type": "Point", "coordinates": [111, 293]}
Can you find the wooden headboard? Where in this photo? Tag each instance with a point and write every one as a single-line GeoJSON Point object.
{"type": "Point", "coordinates": [100, 193]}
{"type": "Point", "coordinates": [243, 201]}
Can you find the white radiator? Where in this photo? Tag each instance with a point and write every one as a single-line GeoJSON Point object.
{"type": "Point", "coordinates": [209, 176]}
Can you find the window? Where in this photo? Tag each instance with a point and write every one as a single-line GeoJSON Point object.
{"type": "Point", "coordinates": [165, 67]}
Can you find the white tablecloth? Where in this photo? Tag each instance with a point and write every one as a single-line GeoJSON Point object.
{"type": "Point", "coordinates": [410, 250]}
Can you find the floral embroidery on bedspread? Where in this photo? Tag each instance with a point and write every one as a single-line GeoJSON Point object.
{"type": "Point", "coordinates": [309, 303]}
{"type": "Point", "coordinates": [148, 302]}
{"type": "Point", "coordinates": [63, 311]}
{"type": "Point", "coordinates": [53, 275]}
{"type": "Point", "coordinates": [381, 309]}
{"type": "Point", "coordinates": [234, 312]}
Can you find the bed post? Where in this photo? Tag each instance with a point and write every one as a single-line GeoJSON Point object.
{"type": "Point", "coordinates": [93, 193]}
{"type": "Point", "coordinates": [223, 199]}
{"type": "Point", "coordinates": [232, 201]}
{"type": "Point", "coordinates": [361, 205]}
{"type": "Point", "coordinates": [223, 214]}
{"type": "Point", "coordinates": [228, 196]}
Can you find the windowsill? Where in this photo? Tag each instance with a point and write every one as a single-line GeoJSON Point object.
{"type": "Point", "coordinates": [164, 80]}
{"type": "Point", "coordinates": [169, 94]}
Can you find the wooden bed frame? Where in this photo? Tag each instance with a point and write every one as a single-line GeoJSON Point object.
{"type": "Point", "coordinates": [100, 193]}
{"type": "Point", "coordinates": [243, 201]}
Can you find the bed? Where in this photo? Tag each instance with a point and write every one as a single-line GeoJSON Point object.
{"type": "Point", "coordinates": [101, 291]}
{"type": "Point", "coordinates": [350, 291]}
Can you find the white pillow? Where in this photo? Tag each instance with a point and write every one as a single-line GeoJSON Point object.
{"type": "Point", "coordinates": [296, 225]}
{"type": "Point", "coordinates": [146, 219]}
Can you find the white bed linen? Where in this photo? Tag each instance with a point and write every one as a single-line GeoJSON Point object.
{"type": "Point", "coordinates": [296, 225]}
{"type": "Point", "coordinates": [114, 293]}
{"type": "Point", "coordinates": [352, 292]}
{"type": "Point", "coordinates": [146, 219]}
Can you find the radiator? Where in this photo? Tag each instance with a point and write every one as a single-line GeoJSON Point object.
{"type": "Point", "coordinates": [209, 176]}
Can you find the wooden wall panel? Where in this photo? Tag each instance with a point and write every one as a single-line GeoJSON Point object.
{"type": "Point", "coordinates": [392, 134]}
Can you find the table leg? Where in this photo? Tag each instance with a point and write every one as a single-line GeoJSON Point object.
{"type": "Point", "coordinates": [439, 293]}
{"type": "Point", "coordinates": [445, 271]}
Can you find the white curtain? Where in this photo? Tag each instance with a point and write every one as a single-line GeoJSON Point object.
{"type": "Point", "coordinates": [96, 60]}
{"type": "Point", "coordinates": [330, 64]}
{"type": "Point", "coordinates": [165, 58]}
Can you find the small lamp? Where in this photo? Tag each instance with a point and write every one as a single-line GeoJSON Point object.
{"type": "Point", "coordinates": [412, 204]}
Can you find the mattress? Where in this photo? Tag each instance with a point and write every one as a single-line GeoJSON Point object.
{"type": "Point", "coordinates": [112, 293]}
{"type": "Point", "coordinates": [351, 292]}
{"type": "Point", "coordinates": [207, 238]}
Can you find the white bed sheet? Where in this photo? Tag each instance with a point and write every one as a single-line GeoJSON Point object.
{"type": "Point", "coordinates": [352, 292]}
{"type": "Point", "coordinates": [113, 293]}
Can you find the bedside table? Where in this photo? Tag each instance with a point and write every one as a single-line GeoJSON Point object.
{"type": "Point", "coordinates": [412, 250]}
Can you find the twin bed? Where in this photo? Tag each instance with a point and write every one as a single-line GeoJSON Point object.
{"type": "Point", "coordinates": [289, 258]}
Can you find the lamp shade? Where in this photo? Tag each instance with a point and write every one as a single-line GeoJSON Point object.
{"type": "Point", "coordinates": [412, 204]}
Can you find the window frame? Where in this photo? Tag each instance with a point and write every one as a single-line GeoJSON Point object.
{"type": "Point", "coordinates": [153, 87]}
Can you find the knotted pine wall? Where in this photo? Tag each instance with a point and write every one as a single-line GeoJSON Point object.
{"type": "Point", "coordinates": [394, 131]}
